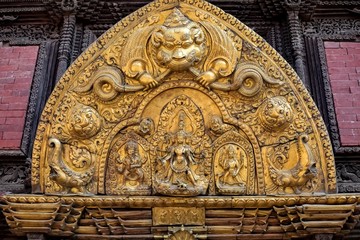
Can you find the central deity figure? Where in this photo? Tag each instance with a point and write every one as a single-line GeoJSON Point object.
{"type": "Point", "coordinates": [182, 150]}
{"type": "Point", "coordinates": [180, 156]}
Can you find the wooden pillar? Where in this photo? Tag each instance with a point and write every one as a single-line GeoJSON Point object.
{"type": "Point", "coordinates": [67, 35]}
{"type": "Point", "coordinates": [66, 39]}
{"type": "Point", "coordinates": [296, 37]}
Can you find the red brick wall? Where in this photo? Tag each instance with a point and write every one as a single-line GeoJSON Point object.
{"type": "Point", "coordinates": [343, 60]}
{"type": "Point", "coordinates": [17, 65]}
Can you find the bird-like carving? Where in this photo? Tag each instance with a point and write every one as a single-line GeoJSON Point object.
{"type": "Point", "coordinates": [344, 174]}
{"type": "Point", "coordinates": [301, 174]}
{"type": "Point", "coordinates": [72, 181]}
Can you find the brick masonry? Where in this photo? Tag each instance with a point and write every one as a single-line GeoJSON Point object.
{"type": "Point", "coordinates": [343, 60]}
{"type": "Point", "coordinates": [17, 65]}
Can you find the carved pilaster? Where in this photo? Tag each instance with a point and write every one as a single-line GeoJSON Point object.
{"type": "Point", "coordinates": [316, 83]}
{"type": "Point", "coordinates": [296, 37]}
{"type": "Point", "coordinates": [88, 38]}
{"type": "Point", "coordinates": [65, 47]}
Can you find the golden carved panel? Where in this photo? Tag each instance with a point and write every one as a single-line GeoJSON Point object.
{"type": "Point", "coordinates": [178, 216]}
{"type": "Point", "coordinates": [181, 99]}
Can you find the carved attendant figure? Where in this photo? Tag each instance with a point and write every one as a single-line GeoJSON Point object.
{"type": "Point", "coordinates": [232, 165]}
{"type": "Point", "coordinates": [130, 166]}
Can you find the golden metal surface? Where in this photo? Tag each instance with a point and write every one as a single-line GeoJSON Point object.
{"type": "Point", "coordinates": [178, 216]}
{"type": "Point", "coordinates": [184, 101]}
{"type": "Point", "coordinates": [181, 100]}
{"type": "Point", "coordinates": [203, 217]}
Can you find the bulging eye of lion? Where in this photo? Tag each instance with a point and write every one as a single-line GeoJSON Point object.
{"type": "Point", "coordinates": [169, 45]}
{"type": "Point", "coordinates": [187, 44]}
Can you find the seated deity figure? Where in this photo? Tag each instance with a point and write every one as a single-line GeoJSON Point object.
{"type": "Point", "coordinates": [232, 164]}
{"type": "Point", "coordinates": [179, 158]}
{"type": "Point", "coordinates": [130, 166]}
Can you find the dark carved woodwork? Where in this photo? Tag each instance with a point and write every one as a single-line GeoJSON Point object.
{"type": "Point", "coordinates": [317, 85]}
{"type": "Point", "coordinates": [348, 175]}
{"type": "Point", "coordinates": [275, 8]}
{"type": "Point", "coordinates": [323, 28]}
{"type": "Point", "coordinates": [322, 236]}
{"type": "Point", "coordinates": [296, 36]}
{"type": "Point", "coordinates": [66, 40]}
{"type": "Point", "coordinates": [76, 49]}
{"type": "Point", "coordinates": [328, 30]}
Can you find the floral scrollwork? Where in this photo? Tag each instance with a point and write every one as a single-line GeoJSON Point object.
{"type": "Point", "coordinates": [107, 83]}
{"type": "Point", "coordinates": [248, 79]}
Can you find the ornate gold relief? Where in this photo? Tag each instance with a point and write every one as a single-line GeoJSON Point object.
{"type": "Point", "coordinates": [183, 235]}
{"type": "Point", "coordinates": [182, 123]}
{"type": "Point", "coordinates": [84, 122]}
{"type": "Point", "coordinates": [178, 216]}
{"type": "Point", "coordinates": [298, 176]}
{"type": "Point", "coordinates": [70, 169]}
{"type": "Point", "coordinates": [183, 150]}
{"type": "Point", "coordinates": [234, 165]}
{"type": "Point", "coordinates": [181, 99]}
{"type": "Point", "coordinates": [128, 172]}
{"type": "Point", "coordinates": [275, 114]}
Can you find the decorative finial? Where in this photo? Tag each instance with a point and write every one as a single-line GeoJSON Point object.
{"type": "Point", "coordinates": [176, 19]}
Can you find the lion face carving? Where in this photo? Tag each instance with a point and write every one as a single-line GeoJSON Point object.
{"type": "Point", "coordinates": [179, 43]}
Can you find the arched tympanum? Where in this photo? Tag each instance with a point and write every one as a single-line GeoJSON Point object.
{"type": "Point", "coordinates": [181, 99]}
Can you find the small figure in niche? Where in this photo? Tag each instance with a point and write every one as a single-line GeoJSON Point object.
{"type": "Point", "coordinates": [232, 164]}
{"type": "Point", "coordinates": [130, 166]}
